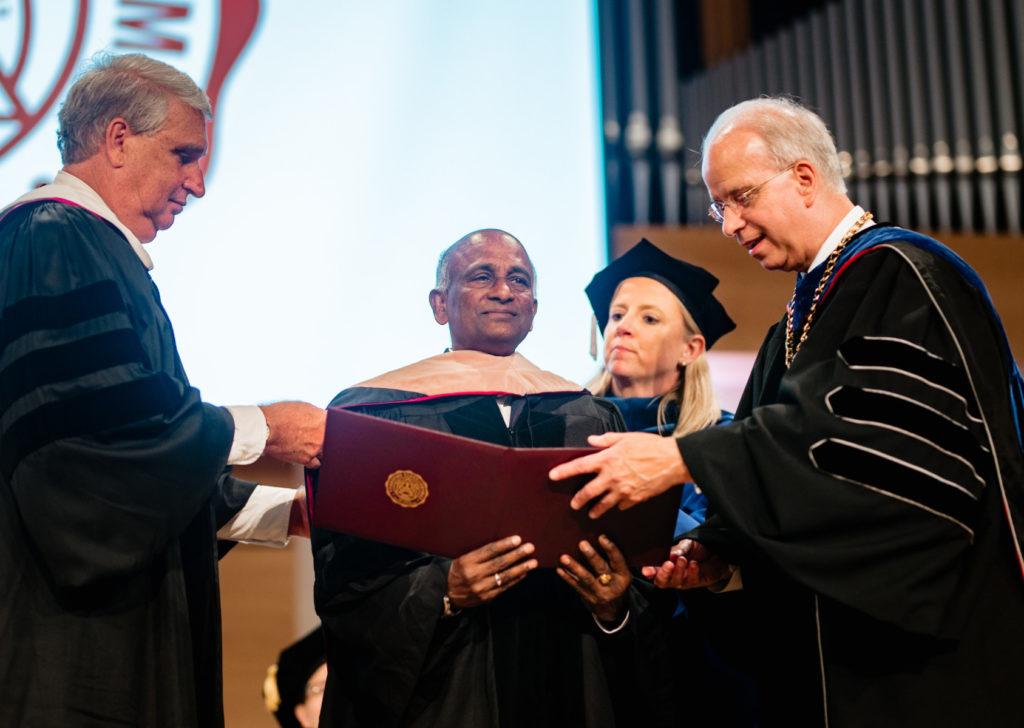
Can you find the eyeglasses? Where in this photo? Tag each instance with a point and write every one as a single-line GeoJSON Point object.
{"type": "Point", "coordinates": [741, 200]}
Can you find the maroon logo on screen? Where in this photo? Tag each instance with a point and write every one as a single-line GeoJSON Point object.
{"type": "Point", "coordinates": [20, 111]}
{"type": "Point", "coordinates": [32, 81]}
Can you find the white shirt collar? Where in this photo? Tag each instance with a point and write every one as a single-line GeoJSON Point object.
{"type": "Point", "coordinates": [68, 187]}
{"type": "Point", "coordinates": [832, 241]}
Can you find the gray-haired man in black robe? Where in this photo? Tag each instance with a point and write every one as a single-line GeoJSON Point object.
{"type": "Point", "coordinates": [871, 487]}
{"type": "Point", "coordinates": [113, 479]}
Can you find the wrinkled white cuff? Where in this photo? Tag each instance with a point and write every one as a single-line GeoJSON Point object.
{"type": "Point", "coordinates": [251, 434]}
{"type": "Point", "coordinates": [263, 519]}
{"type": "Point", "coordinates": [613, 630]}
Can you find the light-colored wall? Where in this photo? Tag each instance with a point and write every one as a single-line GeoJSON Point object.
{"type": "Point", "coordinates": [266, 604]}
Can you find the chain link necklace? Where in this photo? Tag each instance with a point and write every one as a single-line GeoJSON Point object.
{"type": "Point", "coordinates": [830, 265]}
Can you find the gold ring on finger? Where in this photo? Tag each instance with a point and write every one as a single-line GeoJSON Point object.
{"type": "Point", "coordinates": [605, 579]}
{"type": "Point", "coordinates": [497, 579]}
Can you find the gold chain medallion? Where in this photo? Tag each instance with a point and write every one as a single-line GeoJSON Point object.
{"type": "Point", "coordinates": [406, 489]}
{"type": "Point", "coordinates": [830, 264]}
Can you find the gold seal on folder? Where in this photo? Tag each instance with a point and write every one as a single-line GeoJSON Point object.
{"type": "Point", "coordinates": [406, 489]}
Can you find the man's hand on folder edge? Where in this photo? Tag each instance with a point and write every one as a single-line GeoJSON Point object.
{"type": "Point", "coordinates": [481, 575]}
{"type": "Point", "coordinates": [295, 432]}
{"type": "Point", "coordinates": [635, 467]}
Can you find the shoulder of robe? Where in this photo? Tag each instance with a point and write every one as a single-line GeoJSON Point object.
{"type": "Point", "coordinates": [55, 246]}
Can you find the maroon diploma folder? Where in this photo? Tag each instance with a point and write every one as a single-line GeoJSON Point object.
{"type": "Point", "coordinates": [447, 495]}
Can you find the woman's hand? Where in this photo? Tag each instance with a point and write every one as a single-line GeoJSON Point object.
{"type": "Point", "coordinates": [602, 583]}
{"type": "Point", "coordinates": [690, 566]}
{"type": "Point", "coordinates": [481, 575]}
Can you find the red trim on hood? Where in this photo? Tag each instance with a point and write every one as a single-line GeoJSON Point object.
{"type": "Point", "coordinates": [427, 398]}
{"type": "Point", "coordinates": [843, 268]}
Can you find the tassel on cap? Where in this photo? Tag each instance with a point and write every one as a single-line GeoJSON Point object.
{"type": "Point", "coordinates": [271, 697]}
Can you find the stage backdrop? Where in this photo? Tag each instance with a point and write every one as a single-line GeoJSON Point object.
{"type": "Point", "coordinates": [353, 142]}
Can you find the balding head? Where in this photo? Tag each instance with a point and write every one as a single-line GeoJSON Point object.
{"type": "Point", "coordinates": [789, 131]}
{"type": "Point", "coordinates": [771, 168]}
{"type": "Point", "coordinates": [485, 292]}
{"type": "Point", "coordinates": [443, 276]}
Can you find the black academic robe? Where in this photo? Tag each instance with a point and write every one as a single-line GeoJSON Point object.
{"type": "Point", "coordinates": [531, 658]}
{"type": "Point", "coordinates": [112, 486]}
{"type": "Point", "coordinates": [727, 696]}
{"type": "Point", "coordinates": [862, 493]}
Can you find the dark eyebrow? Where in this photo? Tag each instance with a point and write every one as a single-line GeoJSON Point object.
{"type": "Point", "coordinates": [484, 267]}
{"type": "Point", "coordinates": [489, 268]}
{"type": "Point", "coordinates": [190, 149]}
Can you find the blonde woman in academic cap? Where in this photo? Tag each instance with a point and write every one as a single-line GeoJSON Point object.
{"type": "Point", "coordinates": [659, 317]}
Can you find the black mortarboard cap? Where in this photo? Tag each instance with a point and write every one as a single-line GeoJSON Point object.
{"type": "Point", "coordinates": [285, 685]}
{"type": "Point", "coordinates": [690, 283]}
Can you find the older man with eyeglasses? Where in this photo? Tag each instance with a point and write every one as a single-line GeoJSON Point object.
{"type": "Point", "coordinates": [871, 488]}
